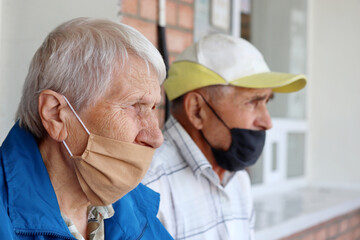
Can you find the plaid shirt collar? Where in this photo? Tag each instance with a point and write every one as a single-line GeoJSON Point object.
{"type": "Point", "coordinates": [175, 133]}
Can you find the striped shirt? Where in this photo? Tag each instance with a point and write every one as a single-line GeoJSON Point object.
{"type": "Point", "coordinates": [194, 204]}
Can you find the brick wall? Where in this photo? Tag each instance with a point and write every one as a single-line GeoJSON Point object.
{"type": "Point", "coordinates": [245, 26]}
{"type": "Point", "coordinates": [345, 227]}
{"type": "Point", "coordinates": [143, 15]}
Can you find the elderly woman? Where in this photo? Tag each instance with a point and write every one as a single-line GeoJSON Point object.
{"type": "Point", "coordinates": [84, 138]}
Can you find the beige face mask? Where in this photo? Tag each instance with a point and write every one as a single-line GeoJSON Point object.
{"type": "Point", "coordinates": [108, 169]}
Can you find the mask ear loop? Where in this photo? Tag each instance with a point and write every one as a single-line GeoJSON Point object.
{"type": "Point", "coordinates": [78, 118]}
{"type": "Point", "coordinates": [218, 117]}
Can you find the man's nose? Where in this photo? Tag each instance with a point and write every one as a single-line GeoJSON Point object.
{"type": "Point", "coordinates": [263, 121]}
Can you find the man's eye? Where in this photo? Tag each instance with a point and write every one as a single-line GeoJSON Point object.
{"type": "Point", "coordinates": [153, 107]}
{"type": "Point", "coordinates": [268, 100]}
{"type": "Point", "coordinates": [255, 102]}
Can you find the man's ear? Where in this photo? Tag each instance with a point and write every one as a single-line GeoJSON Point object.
{"type": "Point", "coordinates": [52, 110]}
{"type": "Point", "coordinates": [194, 109]}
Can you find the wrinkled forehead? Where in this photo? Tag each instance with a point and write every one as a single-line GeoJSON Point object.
{"type": "Point", "coordinates": [134, 77]}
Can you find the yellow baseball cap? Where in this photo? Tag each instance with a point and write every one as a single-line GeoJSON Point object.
{"type": "Point", "coordinates": [220, 59]}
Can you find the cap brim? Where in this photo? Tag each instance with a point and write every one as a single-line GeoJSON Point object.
{"type": "Point", "coordinates": [278, 82]}
{"type": "Point", "coordinates": [185, 76]}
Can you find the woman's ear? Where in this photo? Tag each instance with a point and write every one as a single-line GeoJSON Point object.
{"type": "Point", "coordinates": [52, 110]}
{"type": "Point", "coordinates": [194, 109]}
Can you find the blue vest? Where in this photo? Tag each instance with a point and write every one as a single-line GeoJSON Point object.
{"type": "Point", "coordinates": [29, 207]}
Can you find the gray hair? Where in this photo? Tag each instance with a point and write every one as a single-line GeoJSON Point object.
{"type": "Point", "coordinates": [78, 59]}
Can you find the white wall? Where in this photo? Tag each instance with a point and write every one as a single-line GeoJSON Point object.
{"type": "Point", "coordinates": [334, 92]}
{"type": "Point", "coordinates": [23, 27]}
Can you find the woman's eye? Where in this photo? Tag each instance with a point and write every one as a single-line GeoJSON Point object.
{"type": "Point", "coordinates": [153, 107]}
{"type": "Point", "coordinates": [136, 107]}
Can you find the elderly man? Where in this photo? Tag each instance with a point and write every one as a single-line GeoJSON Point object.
{"type": "Point", "coordinates": [84, 138]}
{"type": "Point", "coordinates": [219, 88]}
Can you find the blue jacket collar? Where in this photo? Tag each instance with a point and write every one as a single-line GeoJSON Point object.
{"type": "Point", "coordinates": [32, 202]}
{"type": "Point", "coordinates": [133, 213]}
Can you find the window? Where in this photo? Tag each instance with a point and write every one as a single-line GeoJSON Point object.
{"type": "Point", "coordinates": [278, 29]}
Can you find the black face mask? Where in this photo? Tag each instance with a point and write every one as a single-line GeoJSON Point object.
{"type": "Point", "coordinates": [245, 149]}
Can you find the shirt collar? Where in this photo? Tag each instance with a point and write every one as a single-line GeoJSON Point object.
{"type": "Point", "coordinates": [95, 228]}
{"type": "Point", "coordinates": [175, 133]}
{"type": "Point", "coordinates": [104, 211]}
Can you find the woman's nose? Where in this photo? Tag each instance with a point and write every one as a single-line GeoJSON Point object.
{"type": "Point", "coordinates": [150, 134]}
